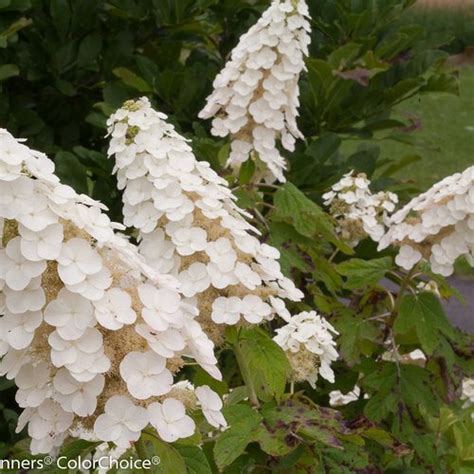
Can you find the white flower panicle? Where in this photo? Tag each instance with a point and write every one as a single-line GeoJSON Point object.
{"type": "Point", "coordinates": [90, 333]}
{"type": "Point", "coordinates": [359, 212]}
{"type": "Point", "coordinates": [437, 226]}
{"type": "Point", "coordinates": [308, 340]}
{"type": "Point", "coordinates": [190, 226]}
{"type": "Point", "coordinates": [256, 96]}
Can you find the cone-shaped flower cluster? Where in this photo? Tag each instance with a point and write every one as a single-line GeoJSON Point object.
{"type": "Point", "coordinates": [190, 226]}
{"type": "Point", "coordinates": [437, 226]}
{"type": "Point", "coordinates": [359, 212]}
{"type": "Point", "coordinates": [256, 95]}
{"type": "Point", "coordinates": [308, 340]}
{"type": "Point", "coordinates": [91, 335]}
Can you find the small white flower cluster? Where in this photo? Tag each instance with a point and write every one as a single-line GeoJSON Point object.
{"type": "Point", "coordinates": [437, 226]}
{"type": "Point", "coordinates": [359, 212]}
{"type": "Point", "coordinates": [189, 225]}
{"type": "Point", "coordinates": [90, 333]}
{"type": "Point", "coordinates": [339, 399]}
{"type": "Point", "coordinates": [308, 340]}
{"type": "Point", "coordinates": [256, 95]}
{"type": "Point", "coordinates": [416, 357]}
{"type": "Point", "coordinates": [468, 394]}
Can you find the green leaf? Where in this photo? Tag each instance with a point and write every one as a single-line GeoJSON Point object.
{"type": "Point", "coordinates": [285, 424]}
{"type": "Point", "coordinates": [71, 171]}
{"type": "Point", "coordinates": [358, 336]}
{"type": "Point", "coordinates": [195, 459]}
{"type": "Point", "coordinates": [89, 49]}
{"type": "Point", "coordinates": [344, 55]}
{"type": "Point", "coordinates": [265, 363]}
{"type": "Point", "coordinates": [7, 71]}
{"type": "Point", "coordinates": [170, 458]}
{"type": "Point", "coordinates": [243, 423]}
{"type": "Point", "coordinates": [424, 313]}
{"type": "Point", "coordinates": [247, 170]}
{"type": "Point", "coordinates": [292, 206]}
{"type": "Point", "coordinates": [12, 29]}
{"type": "Point", "coordinates": [362, 273]}
{"type": "Point", "coordinates": [393, 388]}
{"type": "Point", "coordinates": [132, 79]}
{"type": "Point", "coordinates": [75, 448]}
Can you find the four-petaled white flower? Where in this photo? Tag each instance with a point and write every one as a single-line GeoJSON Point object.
{"type": "Point", "coordinates": [71, 314]}
{"type": "Point", "coordinates": [115, 310]}
{"type": "Point", "coordinates": [31, 298]}
{"type": "Point", "coordinates": [211, 405]}
{"type": "Point", "coordinates": [121, 422]}
{"type": "Point", "coordinates": [254, 309]}
{"type": "Point", "coordinates": [194, 279]}
{"type": "Point", "coordinates": [18, 330]}
{"type": "Point", "coordinates": [222, 254]}
{"type": "Point", "coordinates": [43, 245]}
{"type": "Point", "coordinates": [77, 397]}
{"type": "Point", "coordinates": [15, 269]}
{"type": "Point", "coordinates": [226, 310]}
{"type": "Point", "coordinates": [146, 374]}
{"type": "Point", "coordinates": [93, 286]}
{"type": "Point", "coordinates": [77, 260]}
{"type": "Point", "coordinates": [408, 257]}
{"type": "Point", "coordinates": [189, 241]}
{"type": "Point", "coordinates": [161, 307]}
{"type": "Point", "coordinates": [83, 357]}
{"type": "Point", "coordinates": [33, 385]}
{"type": "Point", "coordinates": [165, 343]}
{"type": "Point", "coordinates": [170, 420]}
{"type": "Point", "coordinates": [47, 425]}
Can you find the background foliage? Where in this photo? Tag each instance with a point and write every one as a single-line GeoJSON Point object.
{"type": "Point", "coordinates": [67, 64]}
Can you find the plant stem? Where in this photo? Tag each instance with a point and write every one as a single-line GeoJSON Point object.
{"type": "Point", "coordinates": [403, 286]}
{"type": "Point", "coordinates": [244, 370]}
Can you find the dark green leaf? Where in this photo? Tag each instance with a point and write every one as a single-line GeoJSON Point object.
{"type": "Point", "coordinates": [362, 273]}
{"type": "Point", "coordinates": [265, 363]}
{"type": "Point", "coordinates": [132, 79]}
{"type": "Point", "coordinates": [195, 459]}
{"type": "Point", "coordinates": [243, 423]}
{"type": "Point", "coordinates": [425, 314]}
{"type": "Point", "coordinates": [7, 71]}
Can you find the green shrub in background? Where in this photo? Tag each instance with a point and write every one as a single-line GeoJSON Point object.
{"type": "Point", "coordinates": [453, 24]}
{"type": "Point", "coordinates": [66, 65]}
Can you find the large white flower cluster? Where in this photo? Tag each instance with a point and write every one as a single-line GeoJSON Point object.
{"type": "Point", "coordinates": [90, 334]}
{"type": "Point", "coordinates": [256, 95]}
{"type": "Point", "coordinates": [190, 226]}
{"type": "Point", "coordinates": [308, 340]}
{"type": "Point", "coordinates": [358, 211]}
{"type": "Point", "coordinates": [437, 226]}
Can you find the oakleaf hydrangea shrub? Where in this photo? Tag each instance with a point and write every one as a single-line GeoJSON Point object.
{"type": "Point", "coordinates": [78, 301]}
{"type": "Point", "coordinates": [285, 315]}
